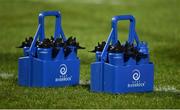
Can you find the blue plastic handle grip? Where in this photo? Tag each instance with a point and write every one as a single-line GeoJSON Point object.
{"type": "Point", "coordinates": [58, 28]}
{"type": "Point", "coordinates": [115, 20]}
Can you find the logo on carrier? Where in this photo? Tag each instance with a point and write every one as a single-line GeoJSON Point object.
{"type": "Point", "coordinates": [63, 69]}
{"type": "Point", "coordinates": [62, 75]}
{"type": "Point", "coordinates": [136, 82]}
{"type": "Point", "coordinates": [136, 74]}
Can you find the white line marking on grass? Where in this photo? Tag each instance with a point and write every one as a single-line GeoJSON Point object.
{"type": "Point", "coordinates": [6, 75]}
{"type": "Point", "coordinates": [167, 88]}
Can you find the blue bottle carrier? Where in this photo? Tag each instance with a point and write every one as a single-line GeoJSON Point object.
{"type": "Point", "coordinates": [122, 70]}
{"type": "Point", "coordinates": [37, 68]}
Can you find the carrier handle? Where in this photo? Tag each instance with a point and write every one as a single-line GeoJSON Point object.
{"type": "Point", "coordinates": [41, 33]}
{"type": "Point", "coordinates": [132, 32]}
{"type": "Point", "coordinates": [113, 34]}
{"type": "Point", "coordinates": [58, 29]}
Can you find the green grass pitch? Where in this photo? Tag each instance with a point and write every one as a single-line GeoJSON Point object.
{"type": "Point", "coordinates": [158, 23]}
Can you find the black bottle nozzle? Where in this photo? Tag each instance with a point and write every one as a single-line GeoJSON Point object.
{"type": "Point", "coordinates": [99, 47]}
{"type": "Point", "coordinates": [46, 43]}
{"type": "Point", "coordinates": [26, 43]}
{"type": "Point", "coordinates": [116, 48]}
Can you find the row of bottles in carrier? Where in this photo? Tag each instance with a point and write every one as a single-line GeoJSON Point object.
{"type": "Point", "coordinates": [123, 54]}
{"type": "Point", "coordinates": [52, 49]}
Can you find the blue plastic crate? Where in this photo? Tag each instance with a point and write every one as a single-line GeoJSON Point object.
{"type": "Point", "coordinates": [37, 68]}
{"type": "Point", "coordinates": [113, 74]}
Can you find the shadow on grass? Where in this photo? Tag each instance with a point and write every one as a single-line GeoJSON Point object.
{"type": "Point", "coordinates": [154, 94]}
{"type": "Point", "coordinates": [85, 86]}
{"type": "Point", "coordinates": [159, 94]}
{"type": "Point", "coordinates": [163, 94]}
